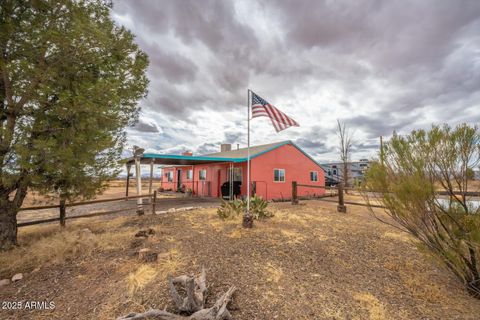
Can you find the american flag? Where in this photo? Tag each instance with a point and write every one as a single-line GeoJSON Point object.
{"type": "Point", "coordinates": [261, 108]}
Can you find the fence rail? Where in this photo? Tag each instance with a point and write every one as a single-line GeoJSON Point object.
{"type": "Point", "coordinates": [74, 204]}
{"type": "Point", "coordinates": [341, 202]}
{"type": "Point", "coordinates": [62, 217]}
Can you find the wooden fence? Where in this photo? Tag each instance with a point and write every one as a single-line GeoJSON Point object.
{"type": "Point", "coordinates": [341, 203]}
{"type": "Point", "coordinates": [62, 209]}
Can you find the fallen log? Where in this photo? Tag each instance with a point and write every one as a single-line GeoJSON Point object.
{"type": "Point", "coordinates": [193, 303]}
{"type": "Point", "coordinates": [194, 286]}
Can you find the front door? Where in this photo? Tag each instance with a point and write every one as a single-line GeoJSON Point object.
{"type": "Point", "coordinates": [179, 179]}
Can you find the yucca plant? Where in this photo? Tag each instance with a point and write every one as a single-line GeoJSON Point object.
{"type": "Point", "coordinates": [258, 208]}
{"type": "Point", "coordinates": [232, 209]}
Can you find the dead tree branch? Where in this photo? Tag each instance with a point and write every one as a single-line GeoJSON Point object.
{"type": "Point", "coordinates": [193, 303]}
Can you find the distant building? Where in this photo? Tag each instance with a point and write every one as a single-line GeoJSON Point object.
{"type": "Point", "coordinates": [356, 171]}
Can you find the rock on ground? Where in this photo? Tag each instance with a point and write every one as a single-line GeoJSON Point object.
{"type": "Point", "coordinates": [17, 277]}
{"type": "Point", "coordinates": [4, 282]}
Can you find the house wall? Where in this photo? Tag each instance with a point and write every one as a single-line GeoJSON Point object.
{"type": "Point", "coordinates": [216, 175]}
{"type": "Point", "coordinates": [297, 167]}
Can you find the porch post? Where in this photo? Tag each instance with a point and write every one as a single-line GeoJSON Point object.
{"type": "Point", "coordinates": [151, 177]}
{"type": "Point", "coordinates": [139, 185]}
{"type": "Point", "coordinates": [230, 177]}
{"type": "Point", "coordinates": [193, 180]}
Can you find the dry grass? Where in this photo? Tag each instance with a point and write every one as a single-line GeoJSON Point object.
{"type": "Point", "coordinates": [140, 278]}
{"type": "Point", "coordinates": [42, 245]}
{"type": "Point", "coordinates": [307, 262]}
{"type": "Point", "coordinates": [292, 236]}
{"type": "Point", "coordinates": [273, 273]}
{"type": "Point", "coordinates": [376, 309]}
{"type": "Point", "coordinates": [170, 262]}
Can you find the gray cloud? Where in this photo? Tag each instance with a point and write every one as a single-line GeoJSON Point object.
{"type": "Point", "coordinates": [173, 67]}
{"type": "Point", "coordinates": [234, 136]}
{"type": "Point", "coordinates": [144, 126]}
{"type": "Point", "coordinates": [315, 147]}
{"type": "Point", "coordinates": [207, 148]}
{"type": "Point", "coordinates": [378, 65]}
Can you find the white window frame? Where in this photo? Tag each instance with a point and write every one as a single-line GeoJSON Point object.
{"type": "Point", "coordinates": [200, 175]}
{"type": "Point", "coordinates": [189, 174]}
{"type": "Point", "coordinates": [238, 170]}
{"type": "Point", "coordinates": [170, 176]}
{"type": "Point", "coordinates": [284, 175]}
{"type": "Point", "coordinates": [316, 176]}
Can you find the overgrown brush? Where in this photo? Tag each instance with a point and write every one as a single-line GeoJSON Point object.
{"type": "Point", "coordinates": [406, 181]}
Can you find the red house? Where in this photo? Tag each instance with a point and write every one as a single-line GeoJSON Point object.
{"type": "Point", "coordinates": [273, 167]}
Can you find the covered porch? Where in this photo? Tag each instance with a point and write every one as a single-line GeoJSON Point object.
{"type": "Point", "coordinates": [200, 176]}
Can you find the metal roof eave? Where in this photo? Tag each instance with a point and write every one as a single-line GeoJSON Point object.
{"type": "Point", "coordinates": [173, 159]}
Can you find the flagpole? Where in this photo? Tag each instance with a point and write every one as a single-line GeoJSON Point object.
{"type": "Point", "coordinates": [248, 153]}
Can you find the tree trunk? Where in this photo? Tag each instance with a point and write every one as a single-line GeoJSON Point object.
{"type": "Point", "coordinates": [8, 225]}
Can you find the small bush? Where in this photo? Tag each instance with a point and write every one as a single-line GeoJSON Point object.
{"type": "Point", "coordinates": [232, 209]}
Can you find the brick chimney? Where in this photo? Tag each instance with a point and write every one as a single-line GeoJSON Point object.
{"type": "Point", "coordinates": [187, 153]}
{"type": "Point", "coordinates": [225, 147]}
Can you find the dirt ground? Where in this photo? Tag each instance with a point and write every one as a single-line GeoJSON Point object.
{"type": "Point", "coordinates": [307, 262]}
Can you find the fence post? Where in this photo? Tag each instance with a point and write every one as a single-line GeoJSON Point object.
{"type": "Point", "coordinates": [154, 201]}
{"type": "Point", "coordinates": [294, 192]}
{"type": "Point", "coordinates": [62, 212]}
{"type": "Point", "coordinates": [341, 203]}
{"type": "Point", "coordinates": [128, 181]}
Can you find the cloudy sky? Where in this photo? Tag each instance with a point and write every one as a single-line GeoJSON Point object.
{"type": "Point", "coordinates": [378, 66]}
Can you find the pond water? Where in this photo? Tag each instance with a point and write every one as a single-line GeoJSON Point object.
{"type": "Point", "coordinates": [474, 205]}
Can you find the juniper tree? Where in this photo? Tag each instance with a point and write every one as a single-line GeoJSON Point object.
{"type": "Point", "coordinates": [70, 79]}
{"type": "Point", "coordinates": [416, 170]}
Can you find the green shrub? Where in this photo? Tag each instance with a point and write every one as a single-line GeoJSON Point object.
{"type": "Point", "coordinates": [412, 170]}
{"type": "Point", "coordinates": [258, 208]}
{"type": "Point", "coordinates": [232, 209]}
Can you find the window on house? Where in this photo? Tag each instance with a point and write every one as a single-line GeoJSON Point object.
{"type": "Point", "coordinates": [237, 174]}
{"type": "Point", "coordinates": [169, 176]}
{"type": "Point", "coordinates": [189, 174]}
{"type": "Point", "coordinates": [279, 175]}
{"type": "Point", "coordinates": [202, 174]}
{"type": "Point", "coordinates": [329, 172]}
{"type": "Point", "coordinates": [313, 176]}
{"type": "Point", "coordinates": [334, 172]}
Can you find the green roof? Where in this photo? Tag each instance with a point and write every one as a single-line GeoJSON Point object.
{"type": "Point", "coordinates": [238, 155]}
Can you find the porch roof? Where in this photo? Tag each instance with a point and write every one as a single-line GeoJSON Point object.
{"type": "Point", "coordinates": [174, 159]}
